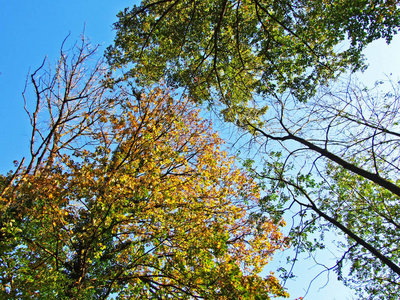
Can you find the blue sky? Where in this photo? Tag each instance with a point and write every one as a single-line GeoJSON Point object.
{"type": "Point", "coordinates": [31, 30]}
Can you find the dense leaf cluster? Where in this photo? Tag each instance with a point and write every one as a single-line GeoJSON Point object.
{"type": "Point", "coordinates": [230, 51]}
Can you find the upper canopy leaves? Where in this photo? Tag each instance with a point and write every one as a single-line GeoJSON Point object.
{"type": "Point", "coordinates": [231, 51]}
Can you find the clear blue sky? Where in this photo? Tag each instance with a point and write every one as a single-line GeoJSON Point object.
{"type": "Point", "coordinates": [30, 30]}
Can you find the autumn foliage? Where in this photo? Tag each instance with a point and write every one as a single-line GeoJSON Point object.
{"type": "Point", "coordinates": [143, 204]}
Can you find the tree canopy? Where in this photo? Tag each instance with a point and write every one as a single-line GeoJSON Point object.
{"type": "Point", "coordinates": [232, 51]}
{"type": "Point", "coordinates": [267, 66]}
{"type": "Point", "coordinates": [128, 194]}
{"type": "Point", "coordinates": [333, 161]}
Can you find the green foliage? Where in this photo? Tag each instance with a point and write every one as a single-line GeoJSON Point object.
{"type": "Point", "coordinates": [231, 51]}
{"type": "Point", "coordinates": [374, 214]}
{"type": "Point", "coordinates": [335, 171]}
{"type": "Point", "coordinates": [244, 57]}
